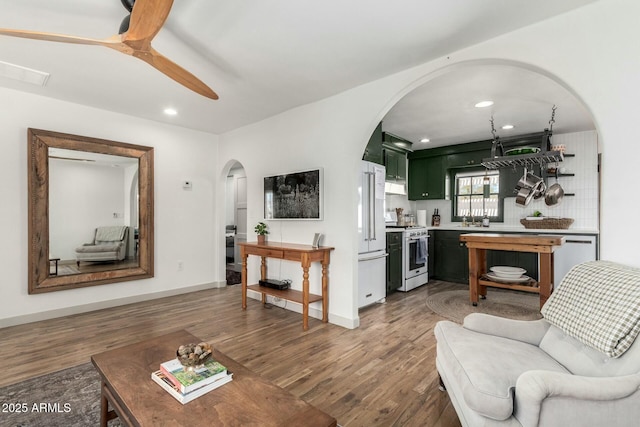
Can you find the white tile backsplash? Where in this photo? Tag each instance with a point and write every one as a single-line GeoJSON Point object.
{"type": "Point", "coordinates": [583, 207]}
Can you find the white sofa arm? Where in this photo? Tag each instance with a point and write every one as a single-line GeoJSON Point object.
{"type": "Point", "coordinates": [568, 399]}
{"type": "Point", "coordinates": [528, 331]}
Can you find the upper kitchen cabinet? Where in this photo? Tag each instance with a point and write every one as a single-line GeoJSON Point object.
{"type": "Point", "coordinates": [374, 152]}
{"type": "Point", "coordinates": [428, 169]}
{"type": "Point", "coordinates": [395, 157]}
{"type": "Point", "coordinates": [395, 142]}
{"type": "Point", "coordinates": [426, 178]}
{"type": "Point", "coordinates": [396, 165]}
{"type": "Point", "coordinates": [467, 158]}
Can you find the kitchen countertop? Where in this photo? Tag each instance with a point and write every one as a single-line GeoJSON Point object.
{"type": "Point", "coordinates": [500, 228]}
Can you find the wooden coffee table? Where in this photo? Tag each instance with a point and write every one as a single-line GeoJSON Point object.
{"type": "Point", "coordinates": [249, 399]}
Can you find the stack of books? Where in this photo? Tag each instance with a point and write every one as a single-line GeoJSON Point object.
{"type": "Point", "coordinates": [184, 385]}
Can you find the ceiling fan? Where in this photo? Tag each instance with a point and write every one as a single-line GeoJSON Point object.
{"type": "Point", "coordinates": [136, 32]}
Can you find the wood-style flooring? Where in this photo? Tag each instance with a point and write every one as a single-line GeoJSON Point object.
{"type": "Point", "coordinates": [380, 374]}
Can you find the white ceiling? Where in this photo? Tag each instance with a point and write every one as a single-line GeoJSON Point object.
{"type": "Point", "coordinates": [443, 110]}
{"type": "Point", "coordinates": [263, 57]}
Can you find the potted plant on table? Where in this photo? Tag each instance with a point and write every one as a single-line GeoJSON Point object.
{"type": "Point", "coordinates": [261, 230]}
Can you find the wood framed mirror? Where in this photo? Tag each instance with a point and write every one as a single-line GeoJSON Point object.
{"type": "Point", "coordinates": [78, 188]}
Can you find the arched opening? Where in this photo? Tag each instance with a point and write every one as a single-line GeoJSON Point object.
{"type": "Point", "coordinates": [440, 107]}
{"type": "Point", "coordinates": [235, 219]}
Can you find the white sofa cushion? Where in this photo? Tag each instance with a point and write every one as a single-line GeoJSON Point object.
{"type": "Point", "coordinates": [487, 378]}
{"type": "Point", "coordinates": [104, 247]}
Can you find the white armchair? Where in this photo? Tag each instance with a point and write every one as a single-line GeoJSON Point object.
{"type": "Point", "coordinates": [109, 244]}
{"type": "Point", "coordinates": [579, 366]}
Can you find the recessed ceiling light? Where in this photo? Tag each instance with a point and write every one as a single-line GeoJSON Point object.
{"type": "Point", "coordinates": [170, 111]}
{"type": "Point", "coordinates": [507, 127]}
{"type": "Point", "coordinates": [424, 140]}
{"type": "Point", "coordinates": [483, 104]}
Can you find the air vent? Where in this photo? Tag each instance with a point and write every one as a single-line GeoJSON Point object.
{"type": "Point", "coordinates": [23, 74]}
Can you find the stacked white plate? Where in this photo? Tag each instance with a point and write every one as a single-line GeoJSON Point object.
{"type": "Point", "coordinates": [508, 274]}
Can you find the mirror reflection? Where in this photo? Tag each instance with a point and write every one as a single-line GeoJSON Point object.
{"type": "Point", "coordinates": [93, 212]}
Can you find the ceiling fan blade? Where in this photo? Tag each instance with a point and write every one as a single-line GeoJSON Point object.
{"type": "Point", "coordinates": [147, 17]}
{"type": "Point", "coordinates": [63, 38]}
{"type": "Point", "coordinates": [176, 72]}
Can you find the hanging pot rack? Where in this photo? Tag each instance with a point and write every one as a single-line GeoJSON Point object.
{"type": "Point", "coordinates": [498, 160]}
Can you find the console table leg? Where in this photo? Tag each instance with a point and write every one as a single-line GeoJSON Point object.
{"type": "Point", "coordinates": [325, 288]}
{"type": "Point", "coordinates": [263, 268]}
{"type": "Point", "coordinates": [243, 256]}
{"type": "Point", "coordinates": [305, 291]}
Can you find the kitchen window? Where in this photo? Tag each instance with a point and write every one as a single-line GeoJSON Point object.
{"type": "Point", "coordinates": [476, 194]}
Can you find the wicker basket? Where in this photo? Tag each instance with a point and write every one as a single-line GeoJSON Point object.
{"type": "Point", "coordinates": [548, 223]}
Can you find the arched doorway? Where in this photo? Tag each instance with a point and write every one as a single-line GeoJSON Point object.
{"type": "Point", "coordinates": [235, 220]}
{"type": "Point", "coordinates": [439, 108]}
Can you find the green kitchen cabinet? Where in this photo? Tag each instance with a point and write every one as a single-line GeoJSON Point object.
{"type": "Point", "coordinates": [451, 258]}
{"type": "Point", "coordinates": [394, 261]}
{"type": "Point", "coordinates": [395, 163]}
{"type": "Point", "coordinates": [431, 250]}
{"type": "Point", "coordinates": [426, 178]}
{"type": "Point", "coordinates": [467, 158]}
{"type": "Point", "coordinates": [374, 152]}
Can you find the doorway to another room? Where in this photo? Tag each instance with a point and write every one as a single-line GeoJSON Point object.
{"type": "Point", "coordinates": [235, 221]}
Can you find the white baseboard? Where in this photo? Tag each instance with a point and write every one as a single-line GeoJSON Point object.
{"type": "Point", "coordinates": [314, 312]}
{"type": "Point", "coordinates": [218, 285]}
{"type": "Point", "coordinates": [52, 314]}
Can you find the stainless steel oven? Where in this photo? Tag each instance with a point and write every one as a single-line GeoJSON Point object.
{"type": "Point", "coordinates": [414, 258]}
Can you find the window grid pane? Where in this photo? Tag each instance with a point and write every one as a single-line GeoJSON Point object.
{"type": "Point", "coordinates": [470, 200]}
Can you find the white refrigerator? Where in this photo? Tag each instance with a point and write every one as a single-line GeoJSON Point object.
{"type": "Point", "coordinates": [371, 235]}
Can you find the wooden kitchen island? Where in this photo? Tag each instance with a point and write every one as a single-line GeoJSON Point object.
{"type": "Point", "coordinates": [305, 255]}
{"type": "Point", "coordinates": [479, 243]}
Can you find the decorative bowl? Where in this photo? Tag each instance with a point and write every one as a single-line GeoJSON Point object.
{"type": "Point", "coordinates": [506, 272]}
{"type": "Point", "coordinates": [194, 355]}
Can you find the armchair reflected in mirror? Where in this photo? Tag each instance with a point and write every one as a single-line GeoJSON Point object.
{"type": "Point", "coordinates": [90, 211]}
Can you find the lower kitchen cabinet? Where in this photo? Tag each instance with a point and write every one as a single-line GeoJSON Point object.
{"type": "Point", "coordinates": [451, 258]}
{"type": "Point", "coordinates": [394, 261]}
{"type": "Point", "coordinates": [431, 250]}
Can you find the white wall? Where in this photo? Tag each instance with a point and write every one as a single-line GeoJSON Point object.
{"type": "Point", "coordinates": [82, 196]}
{"type": "Point", "coordinates": [583, 207]}
{"type": "Point", "coordinates": [183, 219]}
{"type": "Point", "coordinates": [591, 51]}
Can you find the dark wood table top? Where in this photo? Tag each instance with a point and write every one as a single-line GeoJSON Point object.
{"type": "Point", "coordinates": [522, 239]}
{"type": "Point", "coordinates": [247, 400]}
{"type": "Point", "coordinates": [286, 246]}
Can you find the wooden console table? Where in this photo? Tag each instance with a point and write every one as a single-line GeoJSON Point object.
{"type": "Point", "coordinates": [305, 255]}
{"type": "Point", "coordinates": [478, 243]}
